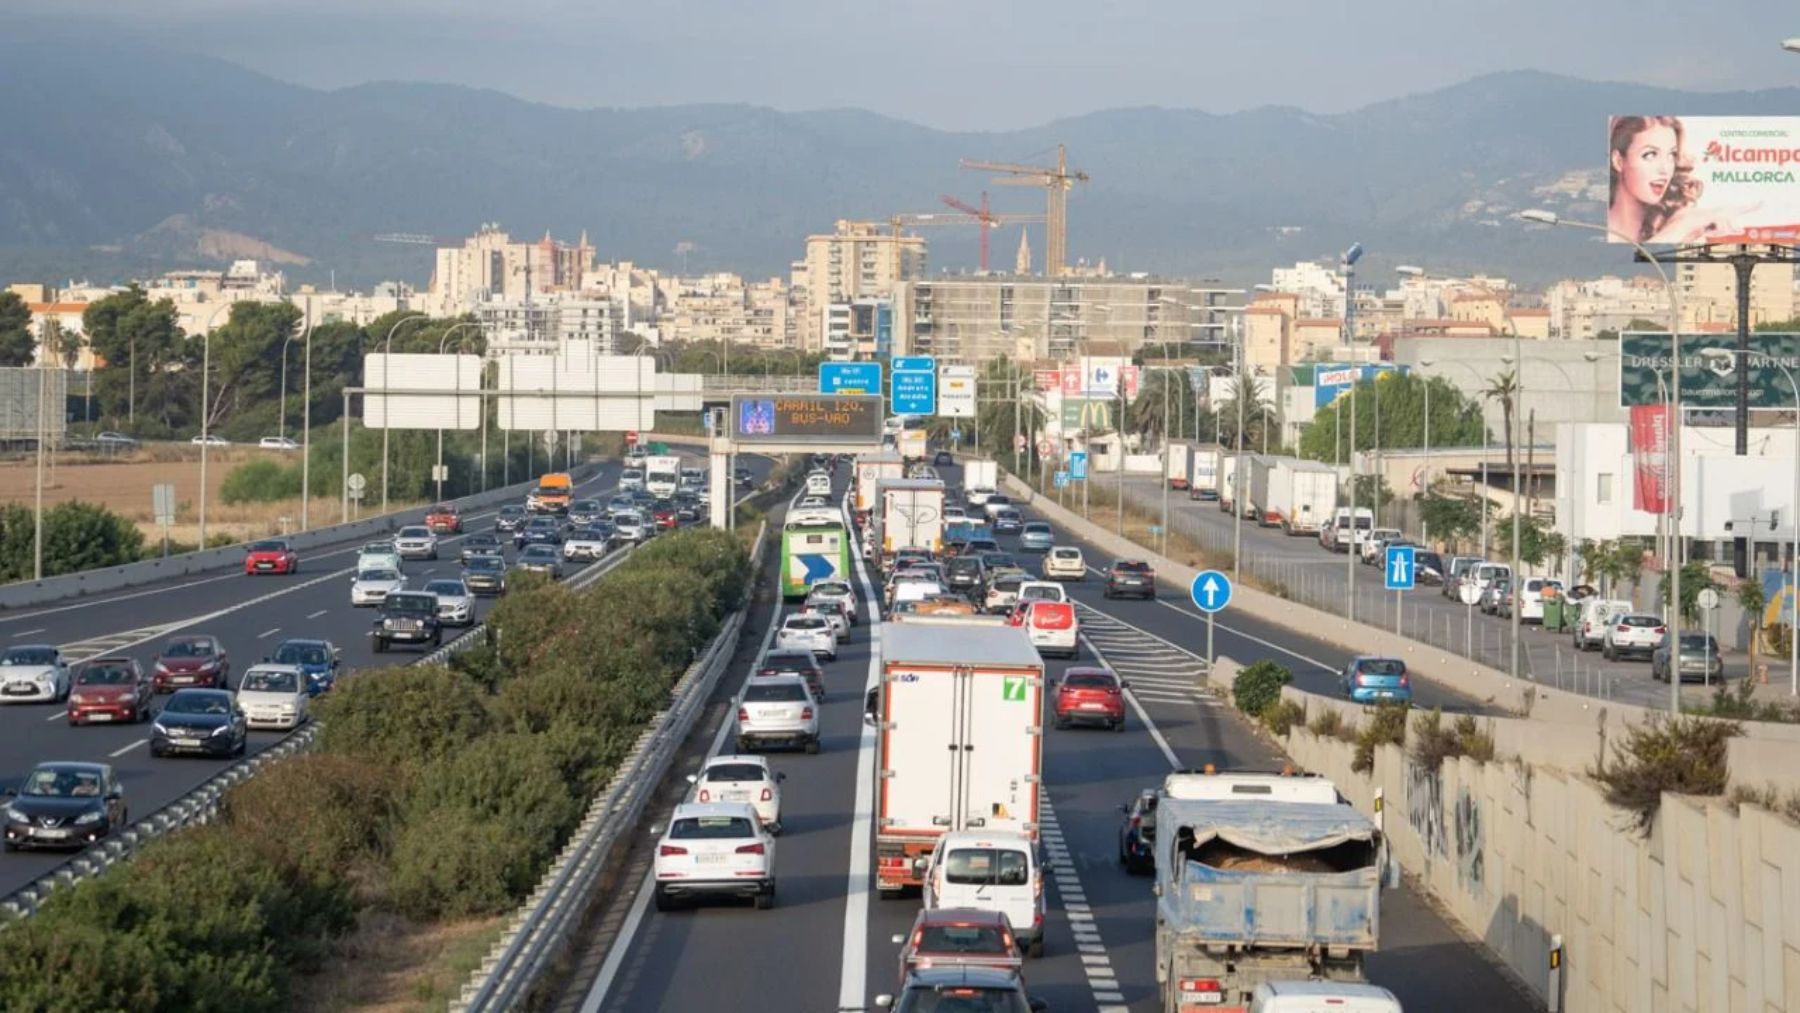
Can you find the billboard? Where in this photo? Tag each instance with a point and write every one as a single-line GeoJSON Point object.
{"type": "Point", "coordinates": [1086, 414]}
{"type": "Point", "coordinates": [956, 392]}
{"type": "Point", "coordinates": [422, 393]}
{"type": "Point", "coordinates": [806, 418]}
{"type": "Point", "coordinates": [577, 392]}
{"type": "Point", "coordinates": [1703, 179]}
{"type": "Point", "coordinates": [1709, 369]}
{"type": "Point", "coordinates": [1331, 380]}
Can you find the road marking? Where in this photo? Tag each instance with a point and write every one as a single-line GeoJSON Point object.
{"type": "Point", "coordinates": [266, 633]}
{"type": "Point", "coordinates": [58, 716]}
{"type": "Point", "coordinates": [853, 980]}
{"type": "Point", "coordinates": [317, 614]}
{"type": "Point", "coordinates": [122, 751]}
{"type": "Point", "coordinates": [1250, 637]}
{"type": "Point", "coordinates": [1102, 980]}
{"type": "Point", "coordinates": [27, 633]}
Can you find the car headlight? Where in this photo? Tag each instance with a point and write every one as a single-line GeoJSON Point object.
{"type": "Point", "coordinates": [128, 698]}
{"type": "Point", "coordinates": [162, 669]}
{"type": "Point", "coordinates": [160, 728]}
{"type": "Point", "coordinates": [89, 818]}
{"type": "Point", "coordinates": [221, 730]}
{"type": "Point", "coordinates": [15, 815]}
{"type": "Point", "coordinates": [78, 698]}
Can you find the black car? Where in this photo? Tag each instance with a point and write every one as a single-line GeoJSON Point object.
{"type": "Point", "coordinates": [204, 722]}
{"type": "Point", "coordinates": [408, 617]}
{"type": "Point", "coordinates": [801, 663]}
{"type": "Point", "coordinates": [583, 512]}
{"type": "Point", "coordinates": [1428, 567]}
{"type": "Point", "coordinates": [942, 458]}
{"type": "Point", "coordinates": [64, 805]}
{"type": "Point", "coordinates": [1130, 576]}
{"type": "Point", "coordinates": [1137, 833]}
{"type": "Point", "coordinates": [485, 576]}
{"type": "Point", "coordinates": [539, 531]}
{"type": "Point", "coordinates": [965, 573]}
{"type": "Point", "coordinates": [742, 476]}
{"type": "Point", "coordinates": [481, 544]}
{"type": "Point", "coordinates": [509, 518]}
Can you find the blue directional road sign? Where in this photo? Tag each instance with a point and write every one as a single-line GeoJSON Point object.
{"type": "Point", "coordinates": [849, 377]}
{"type": "Point", "coordinates": [1078, 465]}
{"type": "Point", "coordinates": [1211, 591]}
{"type": "Point", "coordinates": [914, 385]}
{"type": "Point", "coordinates": [1400, 572]}
{"type": "Point", "coordinates": [818, 567]}
{"type": "Point", "coordinates": [1062, 479]}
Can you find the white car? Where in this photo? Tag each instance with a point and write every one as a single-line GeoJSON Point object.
{"type": "Point", "coordinates": [778, 710]}
{"type": "Point", "coordinates": [370, 587]}
{"type": "Point", "coordinates": [378, 556]}
{"type": "Point", "coordinates": [1053, 627]}
{"type": "Point", "coordinates": [1596, 615]}
{"type": "Point", "coordinates": [954, 514]}
{"type": "Point", "coordinates": [744, 778]}
{"type": "Point", "coordinates": [840, 626]}
{"type": "Point", "coordinates": [630, 527]}
{"type": "Point", "coordinates": [1042, 590]}
{"type": "Point", "coordinates": [814, 503]}
{"type": "Point", "coordinates": [1636, 633]}
{"type": "Point", "coordinates": [1002, 592]}
{"type": "Point", "coordinates": [631, 479]}
{"type": "Point", "coordinates": [834, 592]}
{"type": "Point", "coordinates": [818, 484]}
{"type": "Point", "coordinates": [1064, 562]}
{"type": "Point", "coordinates": [978, 496]}
{"type": "Point", "coordinates": [278, 443]}
{"type": "Point", "coordinates": [33, 673]}
{"type": "Point", "coordinates": [210, 440]}
{"type": "Point", "coordinates": [1375, 543]}
{"type": "Point", "coordinates": [416, 541]}
{"type": "Point", "coordinates": [456, 606]}
{"type": "Point", "coordinates": [804, 631]}
{"type": "Point", "coordinates": [584, 544]}
{"type": "Point", "coordinates": [273, 696]}
{"type": "Point", "coordinates": [1531, 597]}
{"type": "Point", "coordinates": [715, 849]}
{"type": "Point", "coordinates": [994, 505]}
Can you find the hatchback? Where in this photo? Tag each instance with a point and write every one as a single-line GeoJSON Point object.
{"type": "Point", "coordinates": [1036, 536]}
{"type": "Point", "coordinates": [1064, 562]}
{"type": "Point", "coordinates": [959, 937]}
{"type": "Point", "coordinates": [1700, 659]}
{"type": "Point", "coordinates": [110, 690]}
{"type": "Point", "coordinates": [1137, 832]}
{"type": "Point", "coordinates": [205, 722]}
{"type": "Point", "coordinates": [64, 805]}
{"type": "Point", "coordinates": [1376, 680]}
{"type": "Point", "coordinates": [1638, 633]}
{"type": "Point", "coordinates": [715, 849]}
{"type": "Point", "coordinates": [778, 710]}
{"type": "Point", "coordinates": [1090, 696]}
{"type": "Point", "coordinates": [742, 779]}
{"type": "Point", "coordinates": [812, 632]}
{"type": "Point", "coordinates": [1008, 521]}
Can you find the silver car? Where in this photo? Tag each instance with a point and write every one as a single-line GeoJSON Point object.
{"type": "Point", "coordinates": [33, 673]}
{"type": "Point", "coordinates": [541, 559]}
{"type": "Point", "coordinates": [369, 587]}
{"type": "Point", "coordinates": [416, 542]}
{"type": "Point", "coordinates": [834, 592]}
{"type": "Point", "coordinates": [778, 710]}
{"type": "Point", "coordinates": [1036, 536]}
{"type": "Point", "coordinates": [456, 606]}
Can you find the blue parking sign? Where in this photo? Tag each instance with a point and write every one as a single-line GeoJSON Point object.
{"type": "Point", "coordinates": [1078, 465]}
{"type": "Point", "coordinates": [1399, 571]}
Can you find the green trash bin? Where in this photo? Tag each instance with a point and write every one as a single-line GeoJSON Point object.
{"type": "Point", "coordinates": [1553, 613]}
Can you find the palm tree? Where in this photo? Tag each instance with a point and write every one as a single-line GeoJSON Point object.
{"type": "Point", "coordinates": [1257, 408]}
{"type": "Point", "coordinates": [1505, 389]}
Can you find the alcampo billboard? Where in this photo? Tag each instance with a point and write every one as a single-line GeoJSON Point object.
{"type": "Point", "coordinates": [1692, 180]}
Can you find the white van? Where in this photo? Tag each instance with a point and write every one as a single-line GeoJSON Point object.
{"type": "Point", "coordinates": [1472, 587]}
{"type": "Point", "coordinates": [1596, 615]}
{"type": "Point", "coordinates": [818, 484]}
{"type": "Point", "coordinates": [1322, 997]}
{"type": "Point", "coordinates": [990, 871]}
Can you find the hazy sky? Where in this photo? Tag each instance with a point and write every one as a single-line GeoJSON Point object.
{"type": "Point", "coordinates": [971, 64]}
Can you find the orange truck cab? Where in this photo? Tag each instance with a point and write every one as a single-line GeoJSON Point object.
{"type": "Point", "coordinates": [552, 495]}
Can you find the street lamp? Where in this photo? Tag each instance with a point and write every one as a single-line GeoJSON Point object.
{"type": "Point", "coordinates": [438, 471]}
{"type": "Point", "coordinates": [305, 416]}
{"type": "Point", "coordinates": [1671, 506]}
{"type": "Point", "coordinates": [206, 410]}
{"type": "Point", "coordinates": [1348, 262]}
{"type": "Point", "coordinates": [1793, 513]}
{"type": "Point", "coordinates": [387, 380]}
{"type": "Point", "coordinates": [1791, 45]}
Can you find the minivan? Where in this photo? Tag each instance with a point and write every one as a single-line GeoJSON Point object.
{"type": "Point", "coordinates": [1322, 997]}
{"type": "Point", "coordinates": [1596, 615]}
{"type": "Point", "coordinates": [990, 871]}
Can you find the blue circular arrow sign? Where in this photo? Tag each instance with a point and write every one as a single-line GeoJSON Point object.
{"type": "Point", "coordinates": [1211, 591]}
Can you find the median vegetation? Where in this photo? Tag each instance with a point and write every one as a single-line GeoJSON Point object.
{"type": "Point", "coordinates": [435, 793]}
{"type": "Point", "coordinates": [77, 536]}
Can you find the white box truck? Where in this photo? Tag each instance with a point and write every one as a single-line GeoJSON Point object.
{"type": "Point", "coordinates": [1229, 466]}
{"type": "Point", "coordinates": [959, 730]}
{"type": "Point", "coordinates": [1203, 479]}
{"type": "Point", "coordinates": [983, 475]}
{"type": "Point", "coordinates": [662, 476]}
{"type": "Point", "coordinates": [912, 445]}
{"type": "Point", "coordinates": [1296, 496]}
{"type": "Point", "coordinates": [1179, 458]}
{"type": "Point", "coordinates": [871, 469]}
{"type": "Point", "coordinates": [909, 514]}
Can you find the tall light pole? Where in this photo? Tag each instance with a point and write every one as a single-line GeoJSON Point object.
{"type": "Point", "coordinates": [206, 410]}
{"type": "Point", "coordinates": [438, 471]}
{"type": "Point", "coordinates": [1425, 471]}
{"type": "Point", "coordinates": [1237, 468]}
{"type": "Point", "coordinates": [1348, 262]}
{"type": "Point", "coordinates": [1673, 500]}
{"type": "Point", "coordinates": [387, 380]}
{"type": "Point", "coordinates": [305, 417]}
{"type": "Point", "coordinates": [281, 415]}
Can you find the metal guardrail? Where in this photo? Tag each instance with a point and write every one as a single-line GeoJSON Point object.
{"type": "Point", "coordinates": [541, 928]}
{"type": "Point", "coordinates": [200, 805]}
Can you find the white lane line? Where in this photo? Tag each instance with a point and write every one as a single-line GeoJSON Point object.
{"type": "Point", "coordinates": [853, 980]}
{"type": "Point", "coordinates": [266, 633]}
{"type": "Point", "coordinates": [27, 633]}
{"type": "Point", "coordinates": [58, 716]}
{"type": "Point", "coordinates": [1250, 637]}
{"type": "Point", "coordinates": [121, 752]}
{"type": "Point", "coordinates": [1138, 708]}
{"type": "Point", "coordinates": [317, 614]}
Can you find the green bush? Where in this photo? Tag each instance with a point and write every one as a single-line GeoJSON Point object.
{"type": "Point", "coordinates": [1683, 755]}
{"type": "Point", "coordinates": [1328, 723]}
{"type": "Point", "coordinates": [1281, 716]}
{"type": "Point", "coordinates": [1259, 686]}
{"type": "Point", "coordinates": [399, 718]}
{"type": "Point", "coordinates": [260, 481]}
{"type": "Point", "coordinates": [318, 812]}
{"type": "Point", "coordinates": [1432, 743]}
{"type": "Point", "coordinates": [1386, 728]}
{"type": "Point", "coordinates": [54, 963]}
{"type": "Point", "coordinates": [77, 536]}
{"type": "Point", "coordinates": [453, 862]}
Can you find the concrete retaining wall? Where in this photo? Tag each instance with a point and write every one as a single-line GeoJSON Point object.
{"type": "Point", "coordinates": [113, 578]}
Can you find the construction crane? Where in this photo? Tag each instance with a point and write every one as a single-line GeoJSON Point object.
{"type": "Point", "coordinates": [966, 216]}
{"type": "Point", "coordinates": [1057, 181]}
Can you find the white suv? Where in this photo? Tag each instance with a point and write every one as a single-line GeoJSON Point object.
{"type": "Point", "coordinates": [416, 542]}
{"type": "Point", "coordinates": [778, 709]}
{"type": "Point", "coordinates": [1637, 633]}
{"type": "Point", "coordinates": [1065, 562]}
{"type": "Point", "coordinates": [808, 631]}
{"type": "Point", "coordinates": [715, 849]}
{"type": "Point", "coordinates": [834, 592]}
{"type": "Point", "coordinates": [742, 779]}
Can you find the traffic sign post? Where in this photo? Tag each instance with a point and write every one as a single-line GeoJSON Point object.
{"type": "Point", "coordinates": [913, 388]}
{"type": "Point", "coordinates": [1708, 600]}
{"type": "Point", "coordinates": [849, 377]}
{"type": "Point", "coordinates": [1078, 466]}
{"type": "Point", "coordinates": [1401, 575]}
{"type": "Point", "coordinates": [1062, 478]}
{"type": "Point", "coordinates": [1211, 592]}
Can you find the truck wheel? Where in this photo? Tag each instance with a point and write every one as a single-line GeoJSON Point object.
{"type": "Point", "coordinates": [1037, 949]}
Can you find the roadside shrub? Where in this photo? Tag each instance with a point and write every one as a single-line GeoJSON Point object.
{"type": "Point", "coordinates": [52, 962]}
{"type": "Point", "coordinates": [669, 618]}
{"type": "Point", "coordinates": [715, 556]}
{"type": "Point", "coordinates": [1432, 743]}
{"type": "Point", "coordinates": [319, 812]}
{"type": "Point", "coordinates": [1386, 727]}
{"type": "Point", "coordinates": [260, 481]}
{"type": "Point", "coordinates": [1783, 803]}
{"type": "Point", "coordinates": [77, 536]}
{"type": "Point", "coordinates": [1281, 716]}
{"type": "Point", "coordinates": [401, 718]}
{"type": "Point", "coordinates": [1328, 723]}
{"type": "Point", "coordinates": [567, 694]}
{"type": "Point", "coordinates": [1259, 686]}
{"type": "Point", "coordinates": [1739, 704]}
{"type": "Point", "coordinates": [1683, 755]}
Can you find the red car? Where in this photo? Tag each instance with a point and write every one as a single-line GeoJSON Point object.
{"type": "Point", "coordinates": [664, 514]}
{"type": "Point", "coordinates": [959, 937]}
{"type": "Point", "coordinates": [110, 690]}
{"type": "Point", "coordinates": [1090, 696]}
{"type": "Point", "coordinates": [444, 520]}
{"type": "Point", "coordinates": [191, 661]}
{"type": "Point", "coordinates": [273, 555]}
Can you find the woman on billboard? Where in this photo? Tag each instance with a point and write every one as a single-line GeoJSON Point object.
{"type": "Point", "coordinates": [1655, 197]}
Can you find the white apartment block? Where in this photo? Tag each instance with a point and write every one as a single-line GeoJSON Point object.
{"type": "Point", "coordinates": [490, 265]}
{"type": "Point", "coordinates": [858, 260]}
{"type": "Point", "coordinates": [1321, 288]}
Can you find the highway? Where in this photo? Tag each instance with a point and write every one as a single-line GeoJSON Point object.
{"type": "Point", "coordinates": [250, 615]}
{"type": "Point", "coordinates": [827, 943]}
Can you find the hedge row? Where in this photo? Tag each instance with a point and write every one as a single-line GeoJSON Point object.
{"type": "Point", "coordinates": [434, 791]}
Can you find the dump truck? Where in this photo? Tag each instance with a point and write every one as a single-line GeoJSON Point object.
{"type": "Point", "coordinates": [1261, 877]}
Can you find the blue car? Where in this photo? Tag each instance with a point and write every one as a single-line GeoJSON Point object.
{"type": "Point", "coordinates": [1376, 680]}
{"type": "Point", "coordinates": [317, 659]}
{"type": "Point", "coordinates": [1036, 536]}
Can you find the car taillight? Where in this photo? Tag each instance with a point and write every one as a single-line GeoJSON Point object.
{"type": "Point", "coordinates": [670, 849]}
{"type": "Point", "coordinates": [1405, 680]}
{"type": "Point", "coordinates": [806, 713]}
{"type": "Point", "coordinates": [705, 796]}
{"type": "Point", "coordinates": [768, 795]}
{"type": "Point", "coordinates": [1660, 630]}
{"type": "Point", "coordinates": [743, 713]}
{"type": "Point", "coordinates": [1202, 990]}
{"type": "Point", "coordinates": [750, 849]}
{"type": "Point", "coordinates": [1624, 628]}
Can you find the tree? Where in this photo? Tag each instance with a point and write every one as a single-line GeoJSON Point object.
{"type": "Point", "coordinates": [1167, 389]}
{"type": "Point", "coordinates": [1400, 402]}
{"type": "Point", "coordinates": [141, 359]}
{"type": "Point", "coordinates": [1259, 413]}
{"type": "Point", "coordinates": [1453, 518]}
{"type": "Point", "coordinates": [245, 384]}
{"type": "Point", "coordinates": [1504, 388]}
{"type": "Point", "coordinates": [17, 346]}
{"type": "Point", "coordinates": [1696, 576]}
{"type": "Point", "coordinates": [1750, 595]}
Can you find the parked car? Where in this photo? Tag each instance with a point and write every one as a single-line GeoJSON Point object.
{"type": "Point", "coordinates": [115, 442]}
{"type": "Point", "coordinates": [744, 778]}
{"type": "Point", "coordinates": [34, 673]}
{"type": "Point", "coordinates": [1459, 568]}
{"type": "Point", "coordinates": [1374, 545]}
{"type": "Point", "coordinates": [195, 659]}
{"type": "Point", "coordinates": [278, 443]}
{"type": "Point", "coordinates": [1428, 568]}
{"type": "Point", "coordinates": [1530, 598]}
{"type": "Point", "coordinates": [714, 849]}
{"type": "Point", "coordinates": [65, 805]}
{"type": "Point", "coordinates": [110, 691]}
{"type": "Point", "coordinates": [1137, 833]}
{"type": "Point", "coordinates": [1637, 633]}
{"type": "Point", "coordinates": [1700, 658]}
{"type": "Point", "coordinates": [1130, 577]}
{"type": "Point", "coordinates": [210, 440]}
{"type": "Point", "coordinates": [1376, 680]}
{"type": "Point", "coordinates": [1090, 696]}
{"type": "Point", "coordinates": [1595, 616]}
{"type": "Point", "coordinates": [202, 722]}
{"type": "Point", "coordinates": [1494, 595]}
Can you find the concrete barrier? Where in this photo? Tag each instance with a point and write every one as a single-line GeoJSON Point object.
{"type": "Point", "coordinates": [112, 578]}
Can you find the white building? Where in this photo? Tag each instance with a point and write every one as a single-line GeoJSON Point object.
{"type": "Point", "coordinates": [1320, 288]}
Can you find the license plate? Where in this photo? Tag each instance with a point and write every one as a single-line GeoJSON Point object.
{"type": "Point", "coordinates": [100, 716]}
{"type": "Point", "coordinates": [265, 566]}
{"type": "Point", "coordinates": [185, 743]}
{"type": "Point", "coordinates": [771, 712]}
{"type": "Point", "coordinates": [709, 858]}
{"type": "Point", "coordinates": [54, 835]}
{"type": "Point", "coordinates": [735, 796]}
{"type": "Point", "coordinates": [1093, 706]}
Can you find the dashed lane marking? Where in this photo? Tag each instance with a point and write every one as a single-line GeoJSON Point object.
{"type": "Point", "coordinates": [115, 754]}
{"type": "Point", "coordinates": [1096, 964]}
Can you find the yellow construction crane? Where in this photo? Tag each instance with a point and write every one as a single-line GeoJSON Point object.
{"type": "Point", "coordinates": [1057, 181]}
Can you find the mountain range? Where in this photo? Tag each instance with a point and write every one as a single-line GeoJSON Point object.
{"type": "Point", "coordinates": [122, 160]}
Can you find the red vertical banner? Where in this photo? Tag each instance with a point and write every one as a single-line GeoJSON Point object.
{"type": "Point", "coordinates": [1650, 457]}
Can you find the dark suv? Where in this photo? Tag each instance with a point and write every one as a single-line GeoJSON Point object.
{"type": "Point", "coordinates": [408, 617]}
{"type": "Point", "coordinates": [1130, 576]}
{"type": "Point", "coordinates": [965, 573]}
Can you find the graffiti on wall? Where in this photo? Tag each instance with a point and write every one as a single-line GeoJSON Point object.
{"type": "Point", "coordinates": [1471, 844]}
{"type": "Point", "coordinates": [1425, 807]}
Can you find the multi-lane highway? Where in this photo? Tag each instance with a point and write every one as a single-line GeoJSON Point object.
{"type": "Point", "coordinates": [250, 615]}
{"type": "Point", "coordinates": [827, 943]}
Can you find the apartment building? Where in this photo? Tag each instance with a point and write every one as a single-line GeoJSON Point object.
{"type": "Point", "coordinates": [491, 265]}
{"type": "Point", "coordinates": [857, 260]}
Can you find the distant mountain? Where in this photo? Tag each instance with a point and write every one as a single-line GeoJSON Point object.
{"type": "Point", "coordinates": [119, 159]}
